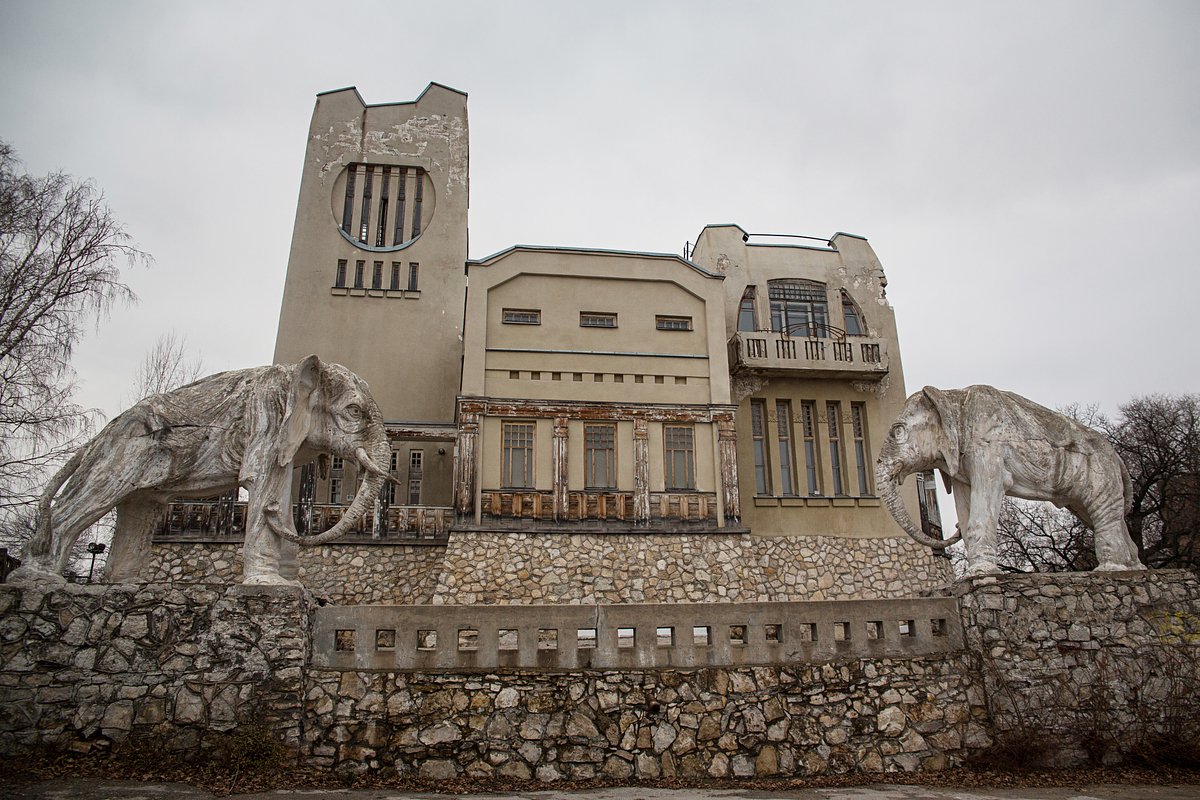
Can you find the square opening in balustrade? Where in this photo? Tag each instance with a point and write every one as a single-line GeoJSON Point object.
{"type": "Point", "coordinates": [908, 627]}
{"type": "Point", "coordinates": [506, 639]}
{"type": "Point", "coordinates": [468, 639]}
{"type": "Point", "coordinates": [874, 629]}
{"type": "Point", "coordinates": [807, 631]}
{"type": "Point", "coordinates": [841, 631]}
{"type": "Point", "coordinates": [773, 632]}
{"type": "Point", "coordinates": [385, 639]}
{"type": "Point", "coordinates": [626, 638]}
{"type": "Point", "coordinates": [664, 636]}
{"type": "Point", "coordinates": [737, 634]}
{"type": "Point", "coordinates": [547, 638]}
{"type": "Point", "coordinates": [701, 636]}
{"type": "Point", "coordinates": [939, 627]}
{"type": "Point", "coordinates": [343, 641]}
{"type": "Point", "coordinates": [585, 639]}
{"type": "Point", "coordinates": [427, 640]}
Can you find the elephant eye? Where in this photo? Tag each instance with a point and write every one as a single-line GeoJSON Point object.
{"type": "Point", "coordinates": [351, 417]}
{"type": "Point", "coordinates": [899, 433]}
{"type": "Point", "coordinates": [352, 411]}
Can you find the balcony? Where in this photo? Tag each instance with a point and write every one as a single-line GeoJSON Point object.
{"type": "Point", "coordinates": [835, 356]}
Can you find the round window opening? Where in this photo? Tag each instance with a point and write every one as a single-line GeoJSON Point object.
{"type": "Point", "coordinates": [382, 206]}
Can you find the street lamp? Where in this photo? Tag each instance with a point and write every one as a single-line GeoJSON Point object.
{"type": "Point", "coordinates": [95, 548]}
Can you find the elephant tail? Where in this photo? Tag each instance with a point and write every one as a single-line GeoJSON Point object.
{"type": "Point", "coordinates": [40, 543]}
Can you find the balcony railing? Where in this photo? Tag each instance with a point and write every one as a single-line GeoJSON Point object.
{"type": "Point", "coordinates": [225, 519]}
{"type": "Point", "coordinates": [853, 357]}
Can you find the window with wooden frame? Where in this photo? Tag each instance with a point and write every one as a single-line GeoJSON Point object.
{"type": "Point", "coordinates": [516, 459]}
{"type": "Point", "coordinates": [414, 273]}
{"type": "Point", "coordinates": [808, 432]}
{"type": "Point", "coordinates": [522, 316]}
{"type": "Point", "coordinates": [348, 208]}
{"type": "Point", "coordinates": [746, 321]}
{"type": "Point", "coordinates": [360, 266]}
{"type": "Point", "coordinates": [787, 458]}
{"type": "Point", "coordinates": [858, 429]}
{"type": "Point", "coordinates": [597, 319]}
{"type": "Point", "coordinates": [600, 455]}
{"type": "Point", "coordinates": [758, 435]}
{"type": "Point", "coordinates": [339, 277]}
{"type": "Point", "coordinates": [799, 307]}
{"type": "Point", "coordinates": [672, 323]}
{"type": "Point", "coordinates": [377, 275]}
{"type": "Point", "coordinates": [335, 491]}
{"type": "Point", "coordinates": [833, 411]}
{"type": "Point", "coordinates": [852, 319]}
{"type": "Point", "coordinates": [418, 194]}
{"type": "Point", "coordinates": [679, 457]}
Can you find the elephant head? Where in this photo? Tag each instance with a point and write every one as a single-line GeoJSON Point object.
{"type": "Point", "coordinates": [924, 436]}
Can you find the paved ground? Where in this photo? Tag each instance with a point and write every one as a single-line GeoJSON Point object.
{"type": "Point", "coordinates": [128, 790]}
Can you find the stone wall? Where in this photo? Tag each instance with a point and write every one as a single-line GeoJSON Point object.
{"type": "Point", "coordinates": [345, 573]}
{"type": "Point", "coordinates": [87, 668]}
{"type": "Point", "coordinates": [484, 567]}
{"type": "Point", "coordinates": [1098, 664]}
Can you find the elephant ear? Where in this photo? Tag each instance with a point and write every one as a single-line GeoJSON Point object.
{"type": "Point", "coordinates": [298, 413]}
{"type": "Point", "coordinates": [950, 422]}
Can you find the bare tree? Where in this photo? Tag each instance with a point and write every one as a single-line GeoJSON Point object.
{"type": "Point", "coordinates": [61, 252]}
{"type": "Point", "coordinates": [166, 366]}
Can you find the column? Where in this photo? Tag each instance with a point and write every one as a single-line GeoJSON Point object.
{"type": "Point", "coordinates": [464, 466]}
{"type": "Point", "coordinates": [641, 472]}
{"type": "Point", "coordinates": [727, 449]}
{"type": "Point", "coordinates": [558, 465]}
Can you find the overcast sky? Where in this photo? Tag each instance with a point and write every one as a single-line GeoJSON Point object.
{"type": "Point", "coordinates": [1028, 172]}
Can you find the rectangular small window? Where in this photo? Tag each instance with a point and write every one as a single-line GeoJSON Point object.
{"type": "Point", "coordinates": [418, 191]}
{"type": "Point", "coordinates": [679, 462]}
{"type": "Point", "coordinates": [507, 639]}
{"type": "Point", "coordinates": [808, 415]}
{"type": "Point", "coordinates": [426, 640]}
{"type": "Point", "coordinates": [547, 639]}
{"type": "Point", "coordinates": [337, 463]}
{"type": "Point", "coordinates": [395, 465]}
{"type": "Point", "coordinates": [416, 460]}
{"type": "Point", "coordinates": [626, 638]}
{"type": "Point", "coordinates": [758, 435]}
{"type": "Point", "coordinates": [665, 636]}
{"type": "Point", "coordinates": [599, 456]}
{"type": "Point", "coordinates": [585, 638]}
{"type": "Point", "coordinates": [339, 278]}
{"type": "Point", "coordinates": [516, 471]}
{"type": "Point", "coordinates": [597, 319]}
{"type": "Point", "coordinates": [414, 491]}
{"type": "Point", "coordinates": [833, 411]}
{"type": "Point", "coordinates": [665, 323]}
{"type": "Point", "coordinates": [395, 286]}
{"type": "Point", "coordinates": [522, 316]}
{"type": "Point", "coordinates": [359, 267]}
{"type": "Point", "coordinates": [414, 272]}
{"type": "Point", "coordinates": [773, 632]}
{"type": "Point", "coordinates": [858, 425]}
{"type": "Point", "coordinates": [377, 275]}
{"type": "Point", "coordinates": [385, 639]}
{"type": "Point", "coordinates": [343, 641]}
{"type": "Point", "coordinates": [787, 477]}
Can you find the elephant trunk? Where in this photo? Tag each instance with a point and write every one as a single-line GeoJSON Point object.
{"type": "Point", "coordinates": [889, 473]}
{"type": "Point", "coordinates": [373, 461]}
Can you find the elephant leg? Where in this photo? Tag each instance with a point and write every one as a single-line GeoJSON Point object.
{"type": "Point", "coordinates": [1115, 550]}
{"type": "Point", "coordinates": [264, 556]}
{"type": "Point", "coordinates": [979, 531]}
{"type": "Point", "coordinates": [137, 519]}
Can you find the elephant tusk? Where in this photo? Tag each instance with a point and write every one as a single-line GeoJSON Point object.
{"type": "Point", "coordinates": [372, 468]}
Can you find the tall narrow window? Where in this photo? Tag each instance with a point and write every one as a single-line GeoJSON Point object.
{"type": "Point", "coordinates": [339, 278]}
{"type": "Point", "coordinates": [746, 312]}
{"type": "Point", "coordinates": [414, 491]}
{"type": "Point", "coordinates": [414, 272]}
{"type": "Point", "coordinates": [599, 456]}
{"type": "Point", "coordinates": [416, 461]}
{"type": "Point", "coordinates": [799, 308]}
{"type": "Point", "coordinates": [335, 491]}
{"type": "Point", "coordinates": [851, 317]}
{"type": "Point", "coordinates": [808, 428]}
{"type": "Point", "coordinates": [377, 275]}
{"type": "Point", "coordinates": [364, 222]}
{"type": "Point", "coordinates": [359, 266]}
{"type": "Point", "coordinates": [348, 208]}
{"type": "Point", "coordinates": [418, 192]}
{"type": "Point", "coordinates": [834, 412]}
{"type": "Point", "coordinates": [858, 425]}
{"type": "Point", "coordinates": [679, 462]}
{"type": "Point", "coordinates": [787, 474]}
{"type": "Point", "coordinates": [516, 469]}
{"type": "Point", "coordinates": [395, 276]}
{"type": "Point", "coordinates": [398, 235]}
{"type": "Point", "coordinates": [381, 229]}
{"type": "Point", "coordinates": [758, 434]}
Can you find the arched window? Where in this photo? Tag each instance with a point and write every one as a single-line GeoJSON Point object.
{"type": "Point", "coordinates": [852, 318]}
{"type": "Point", "coordinates": [746, 312]}
{"type": "Point", "coordinates": [799, 307]}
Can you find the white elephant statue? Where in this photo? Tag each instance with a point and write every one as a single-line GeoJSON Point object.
{"type": "Point", "coordinates": [990, 443]}
{"type": "Point", "coordinates": [244, 428]}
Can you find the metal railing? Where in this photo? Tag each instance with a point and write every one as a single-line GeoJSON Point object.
{"type": "Point", "coordinates": [225, 519]}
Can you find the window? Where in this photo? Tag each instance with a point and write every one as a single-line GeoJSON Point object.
{"type": "Point", "coordinates": [335, 491]}
{"type": "Point", "coordinates": [597, 319]}
{"type": "Point", "coordinates": [414, 491]}
{"type": "Point", "coordinates": [389, 493]}
{"type": "Point", "coordinates": [808, 415]}
{"type": "Point", "coordinates": [858, 427]}
{"type": "Point", "coordinates": [516, 469]}
{"type": "Point", "coordinates": [417, 193]}
{"type": "Point", "coordinates": [787, 476]}
{"type": "Point", "coordinates": [339, 278]}
{"type": "Point", "coordinates": [365, 219]}
{"type": "Point", "coordinates": [359, 266]}
{"type": "Point", "coordinates": [398, 234]}
{"type": "Point", "coordinates": [383, 208]}
{"type": "Point", "coordinates": [348, 208]}
{"type": "Point", "coordinates": [377, 275]}
{"type": "Point", "coordinates": [931, 515]}
{"type": "Point", "coordinates": [395, 464]}
{"type": "Point", "coordinates": [337, 463]}
{"type": "Point", "coordinates": [833, 411]}
{"type": "Point", "coordinates": [416, 460]}
{"type": "Point", "coordinates": [414, 271]}
{"type": "Point", "coordinates": [679, 462]}
{"type": "Point", "coordinates": [664, 323]}
{"type": "Point", "coordinates": [395, 285]}
{"type": "Point", "coordinates": [799, 308]}
{"type": "Point", "coordinates": [758, 434]}
{"type": "Point", "coordinates": [522, 316]}
{"type": "Point", "coordinates": [746, 311]}
{"type": "Point", "coordinates": [599, 456]}
{"type": "Point", "coordinates": [851, 317]}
